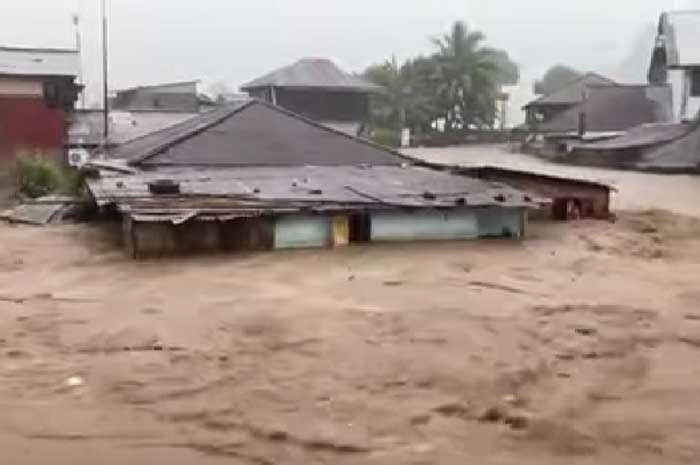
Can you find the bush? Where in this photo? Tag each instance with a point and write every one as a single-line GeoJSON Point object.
{"type": "Point", "coordinates": [38, 176]}
{"type": "Point", "coordinates": [386, 137]}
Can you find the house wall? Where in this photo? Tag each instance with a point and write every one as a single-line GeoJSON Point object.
{"type": "Point", "coordinates": [319, 105]}
{"type": "Point", "coordinates": [301, 231]}
{"type": "Point", "coordinates": [153, 239]}
{"type": "Point", "coordinates": [28, 123]}
{"type": "Point", "coordinates": [680, 81]}
{"type": "Point", "coordinates": [453, 224]}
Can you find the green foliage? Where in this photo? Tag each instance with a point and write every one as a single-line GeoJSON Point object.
{"type": "Point", "coordinates": [556, 78]}
{"type": "Point", "coordinates": [386, 137]}
{"type": "Point", "coordinates": [458, 84]}
{"type": "Point", "coordinates": [38, 176]}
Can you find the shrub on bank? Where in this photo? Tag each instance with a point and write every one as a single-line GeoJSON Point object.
{"type": "Point", "coordinates": [38, 176]}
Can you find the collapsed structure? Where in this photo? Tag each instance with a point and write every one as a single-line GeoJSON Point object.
{"type": "Point", "coordinates": [251, 175]}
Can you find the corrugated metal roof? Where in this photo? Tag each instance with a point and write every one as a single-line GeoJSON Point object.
{"type": "Point", "coordinates": [680, 33]}
{"type": "Point", "coordinates": [644, 135]}
{"type": "Point", "coordinates": [573, 92]}
{"type": "Point", "coordinates": [265, 189]}
{"type": "Point", "coordinates": [682, 153]}
{"type": "Point", "coordinates": [312, 73]}
{"type": "Point", "coordinates": [39, 62]}
{"type": "Point", "coordinates": [615, 108]}
{"type": "Point", "coordinates": [253, 133]}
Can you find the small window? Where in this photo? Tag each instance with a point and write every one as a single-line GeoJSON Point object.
{"type": "Point", "coordinates": [695, 82]}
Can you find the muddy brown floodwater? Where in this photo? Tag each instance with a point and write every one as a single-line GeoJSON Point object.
{"type": "Point", "coordinates": [579, 345]}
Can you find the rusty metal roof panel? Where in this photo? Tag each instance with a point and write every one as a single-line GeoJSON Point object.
{"type": "Point", "coordinates": [273, 189]}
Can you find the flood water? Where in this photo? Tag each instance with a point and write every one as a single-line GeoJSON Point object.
{"type": "Point", "coordinates": [635, 190]}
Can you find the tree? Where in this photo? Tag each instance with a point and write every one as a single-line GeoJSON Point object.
{"type": "Point", "coordinates": [556, 78]}
{"type": "Point", "coordinates": [470, 78]}
{"type": "Point", "coordinates": [390, 106]}
{"type": "Point", "coordinates": [459, 85]}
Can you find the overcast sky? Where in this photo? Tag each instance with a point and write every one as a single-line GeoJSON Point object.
{"type": "Point", "coordinates": [236, 40]}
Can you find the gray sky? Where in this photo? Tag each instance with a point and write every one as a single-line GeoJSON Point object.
{"type": "Point", "coordinates": [236, 40]}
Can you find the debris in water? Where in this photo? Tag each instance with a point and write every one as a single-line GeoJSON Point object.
{"type": "Point", "coordinates": [75, 381]}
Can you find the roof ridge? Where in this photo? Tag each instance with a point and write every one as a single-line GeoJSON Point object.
{"type": "Point", "coordinates": [231, 112]}
{"type": "Point", "coordinates": [187, 132]}
{"type": "Point", "coordinates": [337, 132]}
{"type": "Point", "coordinates": [570, 83]}
{"type": "Point", "coordinates": [165, 84]}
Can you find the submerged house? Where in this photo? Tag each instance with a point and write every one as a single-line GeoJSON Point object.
{"type": "Point", "coordinates": [317, 89]}
{"type": "Point", "coordinates": [38, 91]}
{"type": "Point", "coordinates": [253, 176]}
{"type": "Point", "coordinates": [570, 198]}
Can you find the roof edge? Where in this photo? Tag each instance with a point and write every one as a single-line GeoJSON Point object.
{"type": "Point", "coordinates": [10, 48]}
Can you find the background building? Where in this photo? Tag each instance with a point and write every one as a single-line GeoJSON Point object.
{"type": "Point", "coordinates": [38, 91]}
{"type": "Point", "coordinates": [316, 88]}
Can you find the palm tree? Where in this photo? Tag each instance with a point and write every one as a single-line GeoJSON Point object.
{"type": "Point", "coordinates": [390, 106]}
{"type": "Point", "coordinates": [469, 78]}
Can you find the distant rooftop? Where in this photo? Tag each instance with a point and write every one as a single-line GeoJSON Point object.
{"type": "Point", "coordinates": [20, 61]}
{"type": "Point", "coordinates": [572, 92]}
{"type": "Point", "coordinates": [161, 86]}
{"type": "Point", "coordinates": [319, 73]}
{"type": "Point", "coordinates": [615, 108]}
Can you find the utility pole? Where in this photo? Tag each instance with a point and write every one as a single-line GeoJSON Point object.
{"type": "Point", "coordinates": [79, 47]}
{"type": "Point", "coordinates": [105, 94]}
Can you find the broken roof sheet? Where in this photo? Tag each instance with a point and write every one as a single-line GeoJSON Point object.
{"type": "Point", "coordinates": [572, 92]}
{"type": "Point", "coordinates": [319, 73]}
{"type": "Point", "coordinates": [680, 33]}
{"type": "Point", "coordinates": [252, 133]}
{"type": "Point", "coordinates": [644, 135]}
{"type": "Point", "coordinates": [266, 189]}
{"type": "Point", "coordinates": [39, 62]}
{"type": "Point", "coordinates": [615, 108]}
{"type": "Point", "coordinates": [682, 153]}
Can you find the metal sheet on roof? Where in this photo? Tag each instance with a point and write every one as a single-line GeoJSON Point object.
{"type": "Point", "coordinates": [683, 153]}
{"type": "Point", "coordinates": [39, 62]}
{"type": "Point", "coordinates": [644, 135]}
{"type": "Point", "coordinates": [312, 73]}
{"type": "Point", "coordinates": [300, 188]}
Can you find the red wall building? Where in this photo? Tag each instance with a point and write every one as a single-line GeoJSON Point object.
{"type": "Point", "coordinates": [37, 98]}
